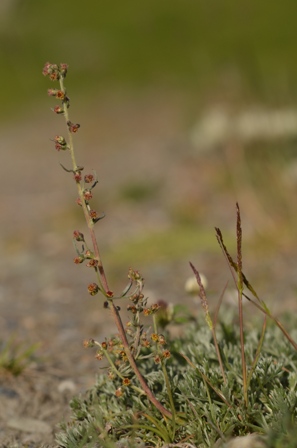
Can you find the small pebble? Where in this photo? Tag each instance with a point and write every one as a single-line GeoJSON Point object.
{"type": "Point", "coordinates": [66, 386]}
{"type": "Point", "coordinates": [29, 425]}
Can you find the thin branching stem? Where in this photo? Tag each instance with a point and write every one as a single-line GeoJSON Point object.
{"type": "Point", "coordinates": [89, 220]}
{"type": "Point", "coordinates": [100, 269]}
{"type": "Point", "coordinates": [122, 333]}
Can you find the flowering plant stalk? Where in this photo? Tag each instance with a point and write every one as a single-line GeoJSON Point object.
{"type": "Point", "coordinates": [128, 347]}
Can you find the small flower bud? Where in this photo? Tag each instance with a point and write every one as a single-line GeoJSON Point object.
{"type": "Point", "coordinates": [46, 68]}
{"type": "Point", "coordinates": [111, 375]}
{"type": "Point", "coordinates": [52, 71]}
{"type": "Point", "coordinates": [119, 392]}
{"type": "Point", "coordinates": [132, 308]}
{"type": "Point", "coordinates": [60, 95]}
{"type": "Point", "coordinates": [126, 382]}
{"type": "Point", "coordinates": [60, 147]}
{"type": "Point", "coordinates": [109, 294]}
{"type": "Point", "coordinates": [78, 236]}
{"type": "Point", "coordinates": [78, 201]}
{"type": "Point", "coordinates": [92, 263]}
{"type": "Point", "coordinates": [78, 260]}
{"type": "Point", "coordinates": [99, 356]}
{"type": "Point", "coordinates": [104, 345]}
{"type": "Point", "coordinates": [136, 297]}
{"type": "Point", "coordinates": [54, 76]}
{"type": "Point", "coordinates": [154, 337]}
{"type": "Point", "coordinates": [123, 355]}
{"type": "Point", "coordinates": [89, 343]}
{"type": "Point", "coordinates": [57, 93]}
{"type": "Point", "coordinates": [166, 354]}
{"type": "Point", "coordinates": [145, 343]}
{"type": "Point", "coordinates": [93, 289]}
{"type": "Point", "coordinates": [77, 176]}
{"type": "Point", "coordinates": [161, 339]}
{"type": "Point", "coordinates": [58, 110]}
{"type": "Point", "coordinates": [88, 178]}
{"type": "Point", "coordinates": [93, 214]}
{"type": "Point", "coordinates": [73, 127]}
{"type": "Point", "coordinates": [157, 359]}
{"type": "Point", "coordinates": [155, 307]}
{"type": "Point", "coordinates": [134, 275]}
{"type": "Point", "coordinates": [63, 69]}
{"type": "Point", "coordinates": [52, 92]}
{"type": "Point", "coordinates": [88, 195]}
{"type": "Point", "coordinates": [60, 139]}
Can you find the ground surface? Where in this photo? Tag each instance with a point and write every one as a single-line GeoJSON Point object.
{"type": "Point", "coordinates": [43, 296]}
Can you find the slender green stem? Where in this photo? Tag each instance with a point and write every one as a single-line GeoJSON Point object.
{"type": "Point", "coordinates": [88, 218]}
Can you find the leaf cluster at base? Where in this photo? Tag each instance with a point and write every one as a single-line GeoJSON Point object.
{"type": "Point", "coordinates": [210, 411]}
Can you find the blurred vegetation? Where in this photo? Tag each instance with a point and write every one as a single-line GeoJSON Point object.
{"type": "Point", "coordinates": [15, 357]}
{"type": "Point", "coordinates": [197, 46]}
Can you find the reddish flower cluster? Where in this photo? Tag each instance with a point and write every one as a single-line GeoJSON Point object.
{"type": "Point", "coordinates": [55, 72]}
{"type": "Point", "coordinates": [89, 178]}
{"type": "Point", "coordinates": [58, 110]}
{"type": "Point", "coordinates": [60, 143]}
{"type": "Point", "coordinates": [88, 195]}
{"type": "Point", "coordinates": [73, 127]}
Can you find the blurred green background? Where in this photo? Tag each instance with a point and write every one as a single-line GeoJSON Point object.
{"type": "Point", "coordinates": [143, 74]}
{"type": "Point", "coordinates": [244, 48]}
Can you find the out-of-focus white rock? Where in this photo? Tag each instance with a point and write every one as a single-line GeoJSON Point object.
{"type": "Point", "coordinates": [219, 126]}
{"type": "Point", "coordinates": [191, 285]}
